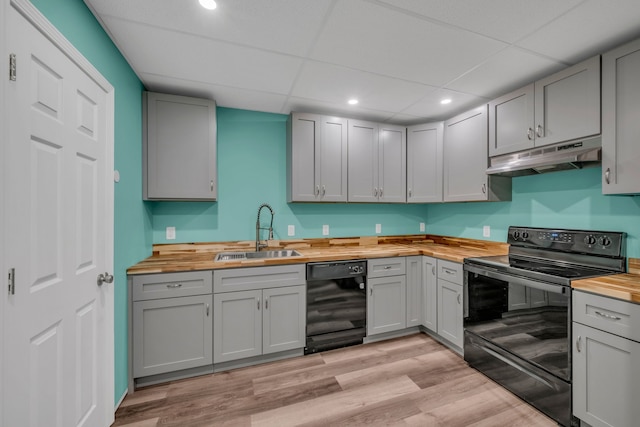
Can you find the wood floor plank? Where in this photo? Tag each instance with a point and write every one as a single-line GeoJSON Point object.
{"type": "Point", "coordinates": [329, 406]}
{"type": "Point", "coordinates": [522, 415]}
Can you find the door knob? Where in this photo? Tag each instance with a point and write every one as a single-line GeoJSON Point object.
{"type": "Point", "coordinates": [104, 278]}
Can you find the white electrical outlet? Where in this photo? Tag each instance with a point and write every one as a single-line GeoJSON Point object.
{"type": "Point", "coordinates": [291, 230]}
{"type": "Point", "coordinates": [378, 228]}
{"type": "Point", "coordinates": [422, 226]}
{"type": "Point", "coordinates": [325, 230]}
{"type": "Point", "coordinates": [486, 231]}
{"type": "Point", "coordinates": [171, 233]}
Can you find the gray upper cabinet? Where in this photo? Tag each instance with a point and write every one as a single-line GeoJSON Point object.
{"type": "Point", "coordinates": [316, 158]}
{"type": "Point", "coordinates": [376, 162]}
{"type": "Point", "coordinates": [179, 148]}
{"type": "Point", "coordinates": [620, 124]}
{"type": "Point", "coordinates": [562, 107]}
{"type": "Point", "coordinates": [466, 161]}
{"type": "Point", "coordinates": [424, 163]}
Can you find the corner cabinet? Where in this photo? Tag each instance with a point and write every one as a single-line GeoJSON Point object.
{"type": "Point", "coordinates": [316, 158]}
{"type": "Point", "coordinates": [377, 162]}
{"type": "Point", "coordinates": [606, 360]}
{"type": "Point", "coordinates": [387, 296]}
{"type": "Point", "coordinates": [258, 311]}
{"type": "Point", "coordinates": [620, 124]}
{"type": "Point", "coordinates": [171, 322]}
{"type": "Point", "coordinates": [179, 148]}
{"type": "Point", "coordinates": [562, 107]}
{"type": "Point", "coordinates": [466, 161]}
{"type": "Point", "coordinates": [424, 163]}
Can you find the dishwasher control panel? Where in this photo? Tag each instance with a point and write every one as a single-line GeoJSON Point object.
{"type": "Point", "coordinates": [335, 269]}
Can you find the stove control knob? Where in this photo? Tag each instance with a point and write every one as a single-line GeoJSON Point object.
{"type": "Point", "coordinates": [590, 239]}
{"type": "Point", "coordinates": [604, 241]}
{"type": "Point", "coordinates": [516, 234]}
{"type": "Point", "coordinates": [525, 235]}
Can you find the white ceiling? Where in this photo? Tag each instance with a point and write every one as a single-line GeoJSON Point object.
{"type": "Point", "coordinates": [398, 57]}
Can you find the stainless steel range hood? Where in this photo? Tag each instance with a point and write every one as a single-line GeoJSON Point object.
{"type": "Point", "coordinates": [574, 155]}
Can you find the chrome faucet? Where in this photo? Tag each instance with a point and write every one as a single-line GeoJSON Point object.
{"type": "Point", "coordinates": [258, 228]}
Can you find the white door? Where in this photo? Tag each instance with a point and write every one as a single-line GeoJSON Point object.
{"type": "Point", "coordinates": [58, 325]}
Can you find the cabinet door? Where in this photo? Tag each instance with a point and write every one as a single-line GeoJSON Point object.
{"type": "Point", "coordinates": [620, 124]}
{"type": "Point", "coordinates": [518, 297]}
{"type": "Point", "coordinates": [284, 319]}
{"type": "Point", "coordinates": [429, 294]}
{"type": "Point", "coordinates": [450, 312]}
{"type": "Point", "coordinates": [332, 158]}
{"type": "Point", "coordinates": [171, 334]}
{"type": "Point", "coordinates": [237, 325]}
{"type": "Point", "coordinates": [363, 161]}
{"type": "Point", "coordinates": [511, 124]}
{"type": "Point", "coordinates": [567, 104]}
{"type": "Point", "coordinates": [303, 135]}
{"type": "Point", "coordinates": [386, 304]}
{"type": "Point", "coordinates": [179, 148]}
{"type": "Point", "coordinates": [392, 164]}
{"type": "Point", "coordinates": [424, 163]}
{"type": "Point", "coordinates": [465, 156]}
{"type": "Point", "coordinates": [606, 379]}
{"type": "Point", "coordinates": [414, 291]}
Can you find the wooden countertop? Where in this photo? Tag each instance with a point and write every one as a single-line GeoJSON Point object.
{"type": "Point", "coordinates": [200, 256]}
{"type": "Point", "coordinates": [625, 287]}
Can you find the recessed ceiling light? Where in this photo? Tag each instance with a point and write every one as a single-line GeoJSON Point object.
{"type": "Point", "coordinates": [353, 101]}
{"type": "Point", "coordinates": [446, 101]}
{"type": "Point", "coordinates": [208, 4]}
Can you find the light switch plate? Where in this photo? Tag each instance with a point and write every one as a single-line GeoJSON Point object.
{"type": "Point", "coordinates": [486, 231]}
{"type": "Point", "coordinates": [171, 233]}
{"type": "Point", "coordinates": [291, 230]}
{"type": "Point", "coordinates": [422, 228]}
{"type": "Point", "coordinates": [378, 228]}
{"type": "Point", "coordinates": [325, 230]}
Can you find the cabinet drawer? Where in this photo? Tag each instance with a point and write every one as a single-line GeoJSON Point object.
{"type": "Point", "coordinates": [170, 285]}
{"type": "Point", "coordinates": [450, 271]}
{"type": "Point", "coordinates": [607, 314]}
{"type": "Point", "coordinates": [383, 267]}
{"type": "Point", "coordinates": [247, 279]}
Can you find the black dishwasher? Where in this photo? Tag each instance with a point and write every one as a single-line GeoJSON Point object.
{"type": "Point", "coordinates": [336, 305]}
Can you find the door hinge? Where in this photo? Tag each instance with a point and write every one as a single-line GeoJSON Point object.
{"type": "Point", "coordinates": [12, 281]}
{"type": "Point", "coordinates": [12, 67]}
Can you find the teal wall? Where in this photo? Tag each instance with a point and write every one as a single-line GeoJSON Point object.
{"type": "Point", "coordinates": [251, 171]}
{"type": "Point", "coordinates": [569, 199]}
{"type": "Point", "coordinates": [132, 219]}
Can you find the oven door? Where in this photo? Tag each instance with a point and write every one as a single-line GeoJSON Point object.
{"type": "Point", "coordinates": [523, 317]}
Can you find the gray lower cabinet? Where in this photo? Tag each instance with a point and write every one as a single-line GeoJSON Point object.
{"type": "Point", "coordinates": [521, 297]}
{"type": "Point", "coordinates": [414, 291]}
{"type": "Point", "coordinates": [179, 148]}
{"type": "Point", "coordinates": [620, 124]}
{"type": "Point", "coordinates": [387, 296]}
{"type": "Point", "coordinates": [171, 322]}
{"type": "Point", "coordinates": [429, 294]}
{"type": "Point", "coordinates": [466, 161]}
{"type": "Point", "coordinates": [424, 163]}
{"type": "Point", "coordinates": [606, 357]}
{"type": "Point", "coordinates": [258, 311]}
{"type": "Point", "coordinates": [450, 304]}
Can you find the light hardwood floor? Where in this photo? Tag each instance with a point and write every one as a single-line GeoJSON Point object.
{"type": "Point", "coordinates": [412, 381]}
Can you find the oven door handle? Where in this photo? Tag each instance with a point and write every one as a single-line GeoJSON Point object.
{"type": "Point", "coordinates": [556, 289]}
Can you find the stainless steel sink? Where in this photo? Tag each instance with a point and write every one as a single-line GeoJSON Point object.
{"type": "Point", "coordinates": [236, 256]}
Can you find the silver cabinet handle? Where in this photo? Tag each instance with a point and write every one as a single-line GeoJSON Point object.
{"type": "Point", "coordinates": [317, 190]}
{"type": "Point", "coordinates": [579, 344]}
{"type": "Point", "coordinates": [409, 192]}
{"type": "Point", "coordinates": [266, 303]}
{"type": "Point", "coordinates": [104, 278]}
{"type": "Point", "coordinates": [484, 188]}
{"type": "Point", "coordinates": [608, 316]}
{"type": "Point", "coordinates": [211, 185]}
{"type": "Point", "coordinates": [375, 191]}
{"type": "Point", "coordinates": [207, 310]}
{"type": "Point", "coordinates": [380, 191]}
{"type": "Point", "coordinates": [459, 296]}
{"type": "Point", "coordinates": [258, 304]}
{"type": "Point", "coordinates": [370, 292]}
{"type": "Point", "coordinates": [324, 190]}
{"type": "Point", "coordinates": [607, 174]}
{"type": "Point", "coordinates": [530, 134]}
{"type": "Point", "coordinates": [446, 270]}
{"type": "Point", "coordinates": [539, 131]}
{"type": "Point", "coordinates": [433, 270]}
{"type": "Point", "coordinates": [387, 267]}
{"type": "Point", "coordinates": [174, 285]}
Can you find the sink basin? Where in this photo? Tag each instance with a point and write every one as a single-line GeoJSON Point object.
{"type": "Point", "coordinates": [236, 256]}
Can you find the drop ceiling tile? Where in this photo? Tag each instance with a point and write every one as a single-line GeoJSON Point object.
{"type": "Point", "coordinates": [320, 107]}
{"type": "Point", "coordinates": [330, 83]}
{"type": "Point", "coordinates": [152, 50]}
{"type": "Point", "coordinates": [224, 96]}
{"type": "Point", "coordinates": [506, 71]}
{"type": "Point", "coordinates": [278, 25]}
{"type": "Point", "coordinates": [593, 27]}
{"type": "Point", "coordinates": [431, 109]}
{"type": "Point", "coordinates": [506, 20]}
{"type": "Point", "coordinates": [369, 37]}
